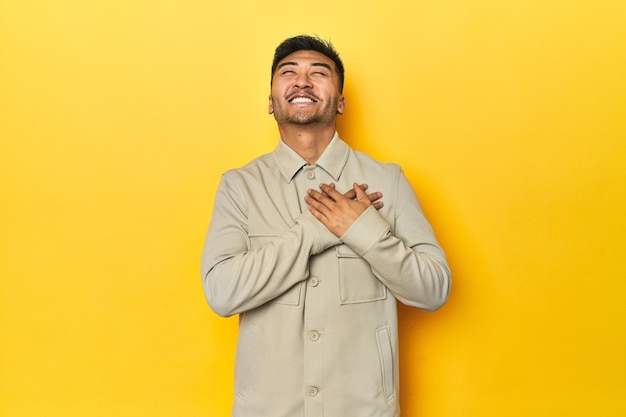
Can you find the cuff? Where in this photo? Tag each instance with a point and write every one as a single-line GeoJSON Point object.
{"type": "Point", "coordinates": [368, 229]}
{"type": "Point", "coordinates": [322, 237]}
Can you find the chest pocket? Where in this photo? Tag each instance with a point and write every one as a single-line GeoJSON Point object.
{"type": "Point", "coordinates": [357, 283]}
{"type": "Point", "coordinates": [292, 295]}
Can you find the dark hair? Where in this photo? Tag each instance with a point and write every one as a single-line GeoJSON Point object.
{"type": "Point", "coordinates": [309, 43]}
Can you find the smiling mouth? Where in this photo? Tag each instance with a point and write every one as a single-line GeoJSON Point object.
{"type": "Point", "coordinates": [301, 99]}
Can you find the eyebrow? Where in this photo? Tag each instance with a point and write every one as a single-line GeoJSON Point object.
{"type": "Point", "coordinates": [315, 64]}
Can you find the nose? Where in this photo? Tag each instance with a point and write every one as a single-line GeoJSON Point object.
{"type": "Point", "coordinates": [303, 81]}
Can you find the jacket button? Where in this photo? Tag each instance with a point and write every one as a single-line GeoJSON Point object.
{"type": "Point", "coordinates": [314, 336]}
{"type": "Point", "coordinates": [313, 391]}
{"type": "Point", "coordinates": [314, 282]}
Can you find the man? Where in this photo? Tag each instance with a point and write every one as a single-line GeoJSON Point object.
{"type": "Point", "coordinates": [311, 263]}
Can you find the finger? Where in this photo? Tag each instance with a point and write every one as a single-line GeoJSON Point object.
{"type": "Point", "coordinates": [318, 200]}
{"type": "Point", "coordinates": [331, 192]}
{"type": "Point", "coordinates": [351, 194]}
{"type": "Point", "coordinates": [375, 196]}
{"type": "Point", "coordinates": [360, 194]}
{"type": "Point", "coordinates": [315, 195]}
{"type": "Point", "coordinates": [332, 185]}
{"type": "Point", "coordinates": [369, 198]}
{"type": "Point", "coordinates": [318, 215]}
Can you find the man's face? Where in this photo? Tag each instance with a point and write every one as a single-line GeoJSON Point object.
{"type": "Point", "coordinates": [305, 90]}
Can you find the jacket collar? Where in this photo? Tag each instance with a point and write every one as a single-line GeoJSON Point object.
{"type": "Point", "coordinates": [332, 160]}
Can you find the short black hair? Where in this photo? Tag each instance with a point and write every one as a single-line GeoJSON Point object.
{"type": "Point", "coordinates": [309, 43]}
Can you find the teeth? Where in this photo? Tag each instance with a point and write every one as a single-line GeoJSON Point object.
{"type": "Point", "coordinates": [302, 100]}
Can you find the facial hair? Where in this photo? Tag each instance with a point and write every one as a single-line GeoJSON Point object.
{"type": "Point", "coordinates": [325, 114]}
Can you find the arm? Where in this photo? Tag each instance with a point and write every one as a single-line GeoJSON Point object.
{"type": "Point", "coordinates": [410, 263]}
{"type": "Point", "coordinates": [238, 277]}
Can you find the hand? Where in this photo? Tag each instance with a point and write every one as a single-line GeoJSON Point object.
{"type": "Point", "coordinates": [338, 211]}
{"type": "Point", "coordinates": [373, 197]}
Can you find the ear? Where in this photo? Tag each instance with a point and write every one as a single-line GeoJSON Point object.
{"type": "Point", "coordinates": [270, 106]}
{"type": "Point", "coordinates": [341, 105]}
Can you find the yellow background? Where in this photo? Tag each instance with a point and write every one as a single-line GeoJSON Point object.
{"type": "Point", "coordinates": [118, 117]}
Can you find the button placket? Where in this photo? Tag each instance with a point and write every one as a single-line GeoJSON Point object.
{"type": "Point", "coordinates": [314, 322]}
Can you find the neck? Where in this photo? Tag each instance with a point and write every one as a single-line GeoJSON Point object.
{"type": "Point", "coordinates": [308, 141]}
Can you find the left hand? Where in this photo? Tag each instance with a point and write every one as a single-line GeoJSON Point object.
{"type": "Point", "coordinates": [337, 211]}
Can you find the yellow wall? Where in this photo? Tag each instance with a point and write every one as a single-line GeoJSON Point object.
{"type": "Point", "coordinates": [118, 116]}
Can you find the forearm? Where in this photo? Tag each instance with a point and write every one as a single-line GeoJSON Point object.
{"type": "Point", "coordinates": [417, 274]}
{"type": "Point", "coordinates": [238, 277]}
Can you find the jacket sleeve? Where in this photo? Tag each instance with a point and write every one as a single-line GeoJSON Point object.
{"type": "Point", "coordinates": [237, 277]}
{"type": "Point", "coordinates": [410, 261]}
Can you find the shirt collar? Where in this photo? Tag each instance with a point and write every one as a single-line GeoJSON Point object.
{"type": "Point", "coordinates": [332, 160]}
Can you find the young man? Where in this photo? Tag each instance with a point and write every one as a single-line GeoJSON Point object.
{"type": "Point", "coordinates": [311, 263]}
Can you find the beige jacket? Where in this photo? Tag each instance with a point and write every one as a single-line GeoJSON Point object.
{"type": "Point", "coordinates": [318, 325]}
